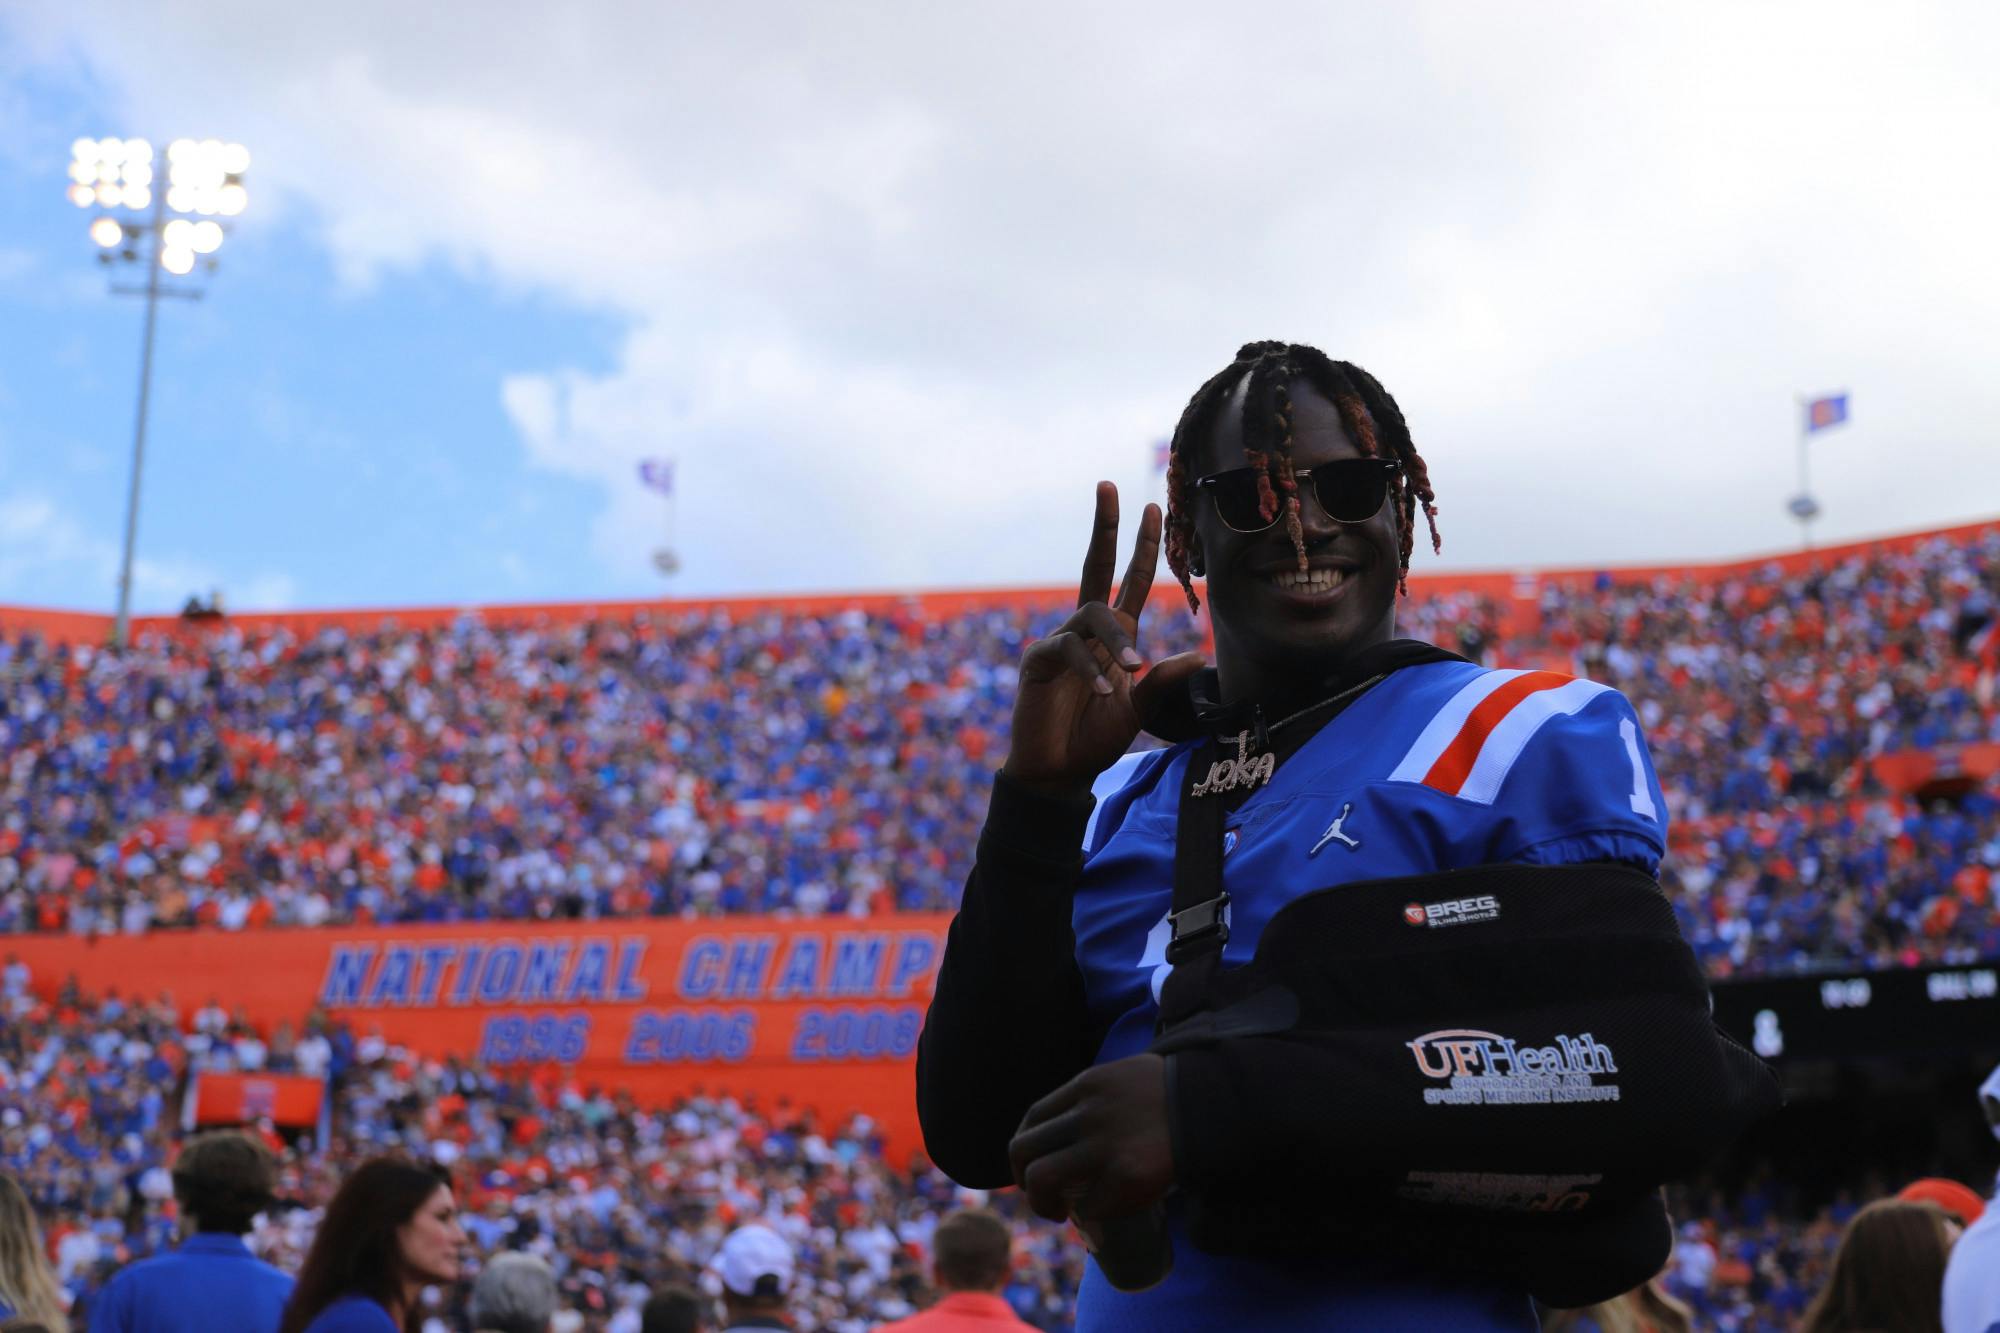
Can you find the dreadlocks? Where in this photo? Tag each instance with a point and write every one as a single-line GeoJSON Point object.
{"type": "Point", "coordinates": [1367, 412]}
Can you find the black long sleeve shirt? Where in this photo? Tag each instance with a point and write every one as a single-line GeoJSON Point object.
{"type": "Point", "coordinates": [1009, 1023]}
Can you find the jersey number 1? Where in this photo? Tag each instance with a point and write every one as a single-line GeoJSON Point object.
{"type": "Point", "coordinates": [1642, 799]}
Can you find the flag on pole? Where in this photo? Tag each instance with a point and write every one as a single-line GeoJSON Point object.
{"type": "Point", "coordinates": [1824, 412]}
{"type": "Point", "coordinates": [657, 473]}
{"type": "Point", "coordinates": [1163, 453]}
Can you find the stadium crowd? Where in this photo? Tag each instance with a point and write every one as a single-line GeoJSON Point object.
{"type": "Point", "coordinates": [616, 1198]}
{"type": "Point", "coordinates": [621, 1200]}
{"type": "Point", "coordinates": [712, 763]}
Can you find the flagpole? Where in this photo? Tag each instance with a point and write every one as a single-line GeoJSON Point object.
{"type": "Point", "coordinates": [1805, 486]}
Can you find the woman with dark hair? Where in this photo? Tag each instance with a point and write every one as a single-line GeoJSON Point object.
{"type": "Point", "coordinates": [1888, 1272]}
{"type": "Point", "coordinates": [391, 1231]}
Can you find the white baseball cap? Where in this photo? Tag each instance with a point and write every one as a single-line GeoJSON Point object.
{"type": "Point", "coordinates": [751, 1255]}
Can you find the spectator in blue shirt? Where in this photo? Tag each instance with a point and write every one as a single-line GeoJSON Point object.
{"type": "Point", "coordinates": [391, 1231]}
{"type": "Point", "coordinates": [212, 1283]}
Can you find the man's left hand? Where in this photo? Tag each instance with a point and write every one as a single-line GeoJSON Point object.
{"type": "Point", "coordinates": [1098, 1146]}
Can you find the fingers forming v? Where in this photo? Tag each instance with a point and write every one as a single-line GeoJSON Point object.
{"type": "Point", "coordinates": [1101, 559]}
{"type": "Point", "coordinates": [1138, 582]}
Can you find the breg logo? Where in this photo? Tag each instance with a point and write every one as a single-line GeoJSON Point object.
{"type": "Point", "coordinates": [1455, 912]}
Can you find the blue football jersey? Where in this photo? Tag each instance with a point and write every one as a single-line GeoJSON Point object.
{"type": "Point", "coordinates": [1441, 766]}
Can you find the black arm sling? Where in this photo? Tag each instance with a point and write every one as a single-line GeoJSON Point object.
{"type": "Point", "coordinates": [1319, 1038]}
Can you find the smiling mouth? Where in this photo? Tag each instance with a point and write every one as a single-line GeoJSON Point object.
{"type": "Point", "coordinates": [1311, 582]}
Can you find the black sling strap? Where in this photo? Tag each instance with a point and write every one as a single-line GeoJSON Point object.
{"type": "Point", "coordinates": [1198, 923]}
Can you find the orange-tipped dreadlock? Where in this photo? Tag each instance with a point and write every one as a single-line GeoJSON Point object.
{"type": "Point", "coordinates": [1367, 412]}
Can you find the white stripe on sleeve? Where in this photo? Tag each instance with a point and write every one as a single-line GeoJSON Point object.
{"type": "Point", "coordinates": [1512, 733]}
{"type": "Point", "coordinates": [1444, 728]}
{"type": "Point", "coordinates": [1107, 785]}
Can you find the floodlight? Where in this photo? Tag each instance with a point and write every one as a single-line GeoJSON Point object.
{"type": "Point", "coordinates": [194, 176]}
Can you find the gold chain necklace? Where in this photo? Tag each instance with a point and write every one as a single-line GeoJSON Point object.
{"type": "Point", "coordinates": [1249, 771]}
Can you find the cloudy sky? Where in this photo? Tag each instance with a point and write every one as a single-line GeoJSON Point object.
{"type": "Point", "coordinates": [895, 283]}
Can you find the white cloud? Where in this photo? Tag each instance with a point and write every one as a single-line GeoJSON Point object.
{"type": "Point", "coordinates": [40, 541]}
{"type": "Point", "coordinates": [43, 545]}
{"type": "Point", "coordinates": [903, 281]}
{"type": "Point", "coordinates": [268, 591]}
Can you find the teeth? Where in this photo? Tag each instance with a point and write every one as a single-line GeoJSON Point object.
{"type": "Point", "coordinates": [1316, 580]}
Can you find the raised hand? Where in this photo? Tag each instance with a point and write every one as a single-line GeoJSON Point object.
{"type": "Point", "coordinates": [1081, 701]}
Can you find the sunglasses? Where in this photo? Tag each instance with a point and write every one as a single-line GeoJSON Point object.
{"type": "Point", "coordinates": [1350, 490]}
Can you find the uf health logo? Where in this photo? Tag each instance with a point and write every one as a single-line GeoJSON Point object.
{"type": "Point", "coordinates": [1487, 1069]}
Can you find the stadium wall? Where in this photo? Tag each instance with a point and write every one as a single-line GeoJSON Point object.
{"type": "Point", "coordinates": [821, 1012]}
{"type": "Point", "coordinates": [1517, 592]}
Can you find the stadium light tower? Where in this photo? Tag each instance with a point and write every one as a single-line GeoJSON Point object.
{"type": "Point", "coordinates": [169, 227]}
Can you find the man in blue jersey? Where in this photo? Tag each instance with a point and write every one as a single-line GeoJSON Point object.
{"type": "Point", "coordinates": [211, 1283]}
{"type": "Point", "coordinates": [1448, 1102]}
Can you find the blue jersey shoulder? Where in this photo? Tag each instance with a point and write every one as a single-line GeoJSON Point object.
{"type": "Point", "coordinates": [1117, 787]}
{"type": "Point", "coordinates": [1559, 760]}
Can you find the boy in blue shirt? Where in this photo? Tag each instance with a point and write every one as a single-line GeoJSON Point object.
{"type": "Point", "coordinates": [211, 1283]}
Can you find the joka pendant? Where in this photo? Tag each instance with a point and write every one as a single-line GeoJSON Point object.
{"type": "Point", "coordinates": [1243, 771]}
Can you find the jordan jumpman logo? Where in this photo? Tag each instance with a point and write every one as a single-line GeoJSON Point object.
{"type": "Point", "coordinates": [1333, 832]}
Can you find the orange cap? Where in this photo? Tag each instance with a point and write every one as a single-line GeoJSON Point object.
{"type": "Point", "coordinates": [1949, 1195]}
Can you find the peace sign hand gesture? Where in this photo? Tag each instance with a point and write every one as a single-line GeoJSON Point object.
{"type": "Point", "coordinates": [1081, 699]}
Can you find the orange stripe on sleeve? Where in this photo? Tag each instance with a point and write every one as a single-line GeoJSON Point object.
{"type": "Point", "coordinates": [1448, 774]}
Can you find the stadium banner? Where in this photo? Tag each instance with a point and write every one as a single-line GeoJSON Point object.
{"type": "Point", "coordinates": [819, 1012]}
{"type": "Point", "coordinates": [293, 1101]}
{"type": "Point", "coordinates": [1963, 767]}
{"type": "Point", "coordinates": [1944, 1010]}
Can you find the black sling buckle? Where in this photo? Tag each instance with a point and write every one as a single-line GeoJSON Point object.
{"type": "Point", "coordinates": [1191, 927]}
{"type": "Point", "coordinates": [1195, 916]}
